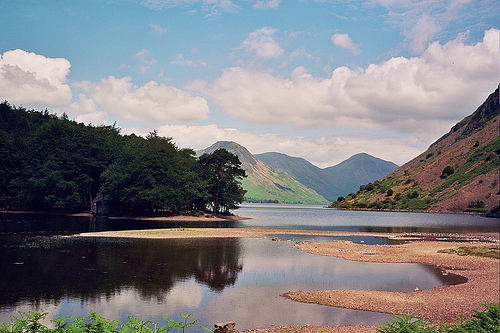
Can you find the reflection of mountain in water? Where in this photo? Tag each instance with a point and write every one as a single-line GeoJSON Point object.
{"type": "Point", "coordinates": [47, 269]}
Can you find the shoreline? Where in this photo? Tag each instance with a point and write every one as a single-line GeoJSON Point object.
{"type": "Point", "coordinates": [174, 218]}
{"type": "Point", "coordinates": [436, 305]}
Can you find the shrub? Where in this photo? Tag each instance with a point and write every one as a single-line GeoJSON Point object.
{"type": "Point", "coordinates": [406, 324]}
{"type": "Point", "coordinates": [447, 171]}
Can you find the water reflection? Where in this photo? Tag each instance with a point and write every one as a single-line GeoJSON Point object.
{"type": "Point", "coordinates": [47, 224]}
{"type": "Point", "coordinates": [48, 269]}
{"type": "Point", "coordinates": [216, 279]}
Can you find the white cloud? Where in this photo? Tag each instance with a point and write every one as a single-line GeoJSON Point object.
{"type": "Point", "coordinates": [262, 43]}
{"type": "Point", "coordinates": [33, 79]}
{"type": "Point", "coordinates": [422, 32]}
{"type": "Point", "coordinates": [181, 60]}
{"type": "Point", "coordinates": [158, 29]}
{"type": "Point", "coordinates": [145, 61]}
{"type": "Point", "coordinates": [419, 96]}
{"type": "Point", "coordinates": [345, 42]}
{"type": "Point", "coordinates": [420, 21]}
{"type": "Point", "coordinates": [322, 151]}
{"type": "Point", "coordinates": [261, 4]}
{"type": "Point", "coordinates": [151, 102]}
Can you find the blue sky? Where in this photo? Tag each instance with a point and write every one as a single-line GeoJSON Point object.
{"type": "Point", "coordinates": [317, 79]}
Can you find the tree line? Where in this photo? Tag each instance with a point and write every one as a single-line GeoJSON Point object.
{"type": "Point", "coordinates": [49, 162]}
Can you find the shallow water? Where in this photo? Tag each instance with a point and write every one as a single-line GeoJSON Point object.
{"type": "Point", "coordinates": [215, 279]}
{"type": "Point", "coordinates": [235, 279]}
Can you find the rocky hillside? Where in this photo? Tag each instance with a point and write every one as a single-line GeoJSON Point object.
{"type": "Point", "coordinates": [458, 173]}
{"type": "Point", "coordinates": [265, 183]}
{"type": "Point", "coordinates": [335, 181]}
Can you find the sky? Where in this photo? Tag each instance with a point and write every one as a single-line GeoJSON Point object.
{"type": "Point", "coordinates": [317, 79]}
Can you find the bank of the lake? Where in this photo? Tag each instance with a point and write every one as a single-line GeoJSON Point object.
{"type": "Point", "coordinates": [442, 303]}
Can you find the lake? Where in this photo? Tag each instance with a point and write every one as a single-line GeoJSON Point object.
{"type": "Point", "coordinates": [235, 279]}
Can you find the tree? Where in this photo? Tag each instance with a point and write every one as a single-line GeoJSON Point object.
{"type": "Point", "coordinates": [222, 173]}
{"type": "Point", "coordinates": [150, 175]}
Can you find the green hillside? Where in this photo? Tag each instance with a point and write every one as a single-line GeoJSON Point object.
{"type": "Point", "coordinates": [458, 173]}
{"type": "Point", "coordinates": [267, 184]}
{"type": "Point", "coordinates": [335, 181]}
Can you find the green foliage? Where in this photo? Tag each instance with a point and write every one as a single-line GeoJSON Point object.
{"type": "Point", "coordinates": [487, 321]}
{"type": "Point", "coordinates": [221, 172]}
{"type": "Point", "coordinates": [95, 323]}
{"type": "Point", "coordinates": [448, 170]}
{"type": "Point", "coordinates": [406, 324]}
{"type": "Point", "coordinates": [53, 163]}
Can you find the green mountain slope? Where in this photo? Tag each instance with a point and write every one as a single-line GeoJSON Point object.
{"type": "Point", "coordinates": [335, 181]}
{"type": "Point", "coordinates": [458, 173]}
{"type": "Point", "coordinates": [267, 184]}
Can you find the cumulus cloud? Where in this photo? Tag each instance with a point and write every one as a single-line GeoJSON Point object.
{"type": "Point", "coordinates": [151, 102]}
{"type": "Point", "coordinates": [262, 43]}
{"type": "Point", "coordinates": [420, 95]}
{"type": "Point", "coordinates": [322, 151]}
{"type": "Point", "coordinates": [345, 42]}
{"type": "Point", "coordinates": [33, 79]}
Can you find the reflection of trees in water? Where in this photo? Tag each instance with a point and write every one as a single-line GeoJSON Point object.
{"type": "Point", "coordinates": [50, 268]}
{"type": "Point", "coordinates": [219, 268]}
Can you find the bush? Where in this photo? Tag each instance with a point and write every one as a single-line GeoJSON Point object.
{"type": "Point", "coordinates": [487, 321]}
{"type": "Point", "coordinates": [447, 171]}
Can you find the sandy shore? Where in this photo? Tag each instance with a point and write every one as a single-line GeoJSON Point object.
{"type": "Point", "coordinates": [436, 305]}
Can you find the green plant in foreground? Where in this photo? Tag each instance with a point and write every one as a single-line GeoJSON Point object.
{"type": "Point", "coordinates": [29, 322]}
{"type": "Point", "coordinates": [406, 324]}
{"type": "Point", "coordinates": [487, 321]}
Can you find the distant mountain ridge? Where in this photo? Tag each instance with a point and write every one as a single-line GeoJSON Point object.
{"type": "Point", "coordinates": [458, 173]}
{"type": "Point", "coordinates": [265, 183]}
{"type": "Point", "coordinates": [334, 181]}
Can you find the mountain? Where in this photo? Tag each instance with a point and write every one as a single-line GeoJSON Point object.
{"type": "Point", "coordinates": [335, 181]}
{"type": "Point", "coordinates": [458, 173]}
{"type": "Point", "coordinates": [265, 183]}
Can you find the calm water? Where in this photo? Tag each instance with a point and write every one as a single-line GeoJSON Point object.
{"type": "Point", "coordinates": [217, 280]}
{"type": "Point", "coordinates": [302, 217]}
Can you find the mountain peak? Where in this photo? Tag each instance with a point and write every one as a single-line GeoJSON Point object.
{"type": "Point", "coordinates": [265, 183]}
{"type": "Point", "coordinates": [459, 172]}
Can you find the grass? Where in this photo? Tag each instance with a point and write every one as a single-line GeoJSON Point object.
{"type": "Point", "coordinates": [479, 251]}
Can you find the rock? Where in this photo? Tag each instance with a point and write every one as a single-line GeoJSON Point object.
{"type": "Point", "coordinates": [225, 327]}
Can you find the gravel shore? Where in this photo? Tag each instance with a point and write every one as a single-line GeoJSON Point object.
{"type": "Point", "coordinates": [436, 305]}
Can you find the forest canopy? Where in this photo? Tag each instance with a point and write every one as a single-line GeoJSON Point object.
{"type": "Point", "coordinates": [53, 163]}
